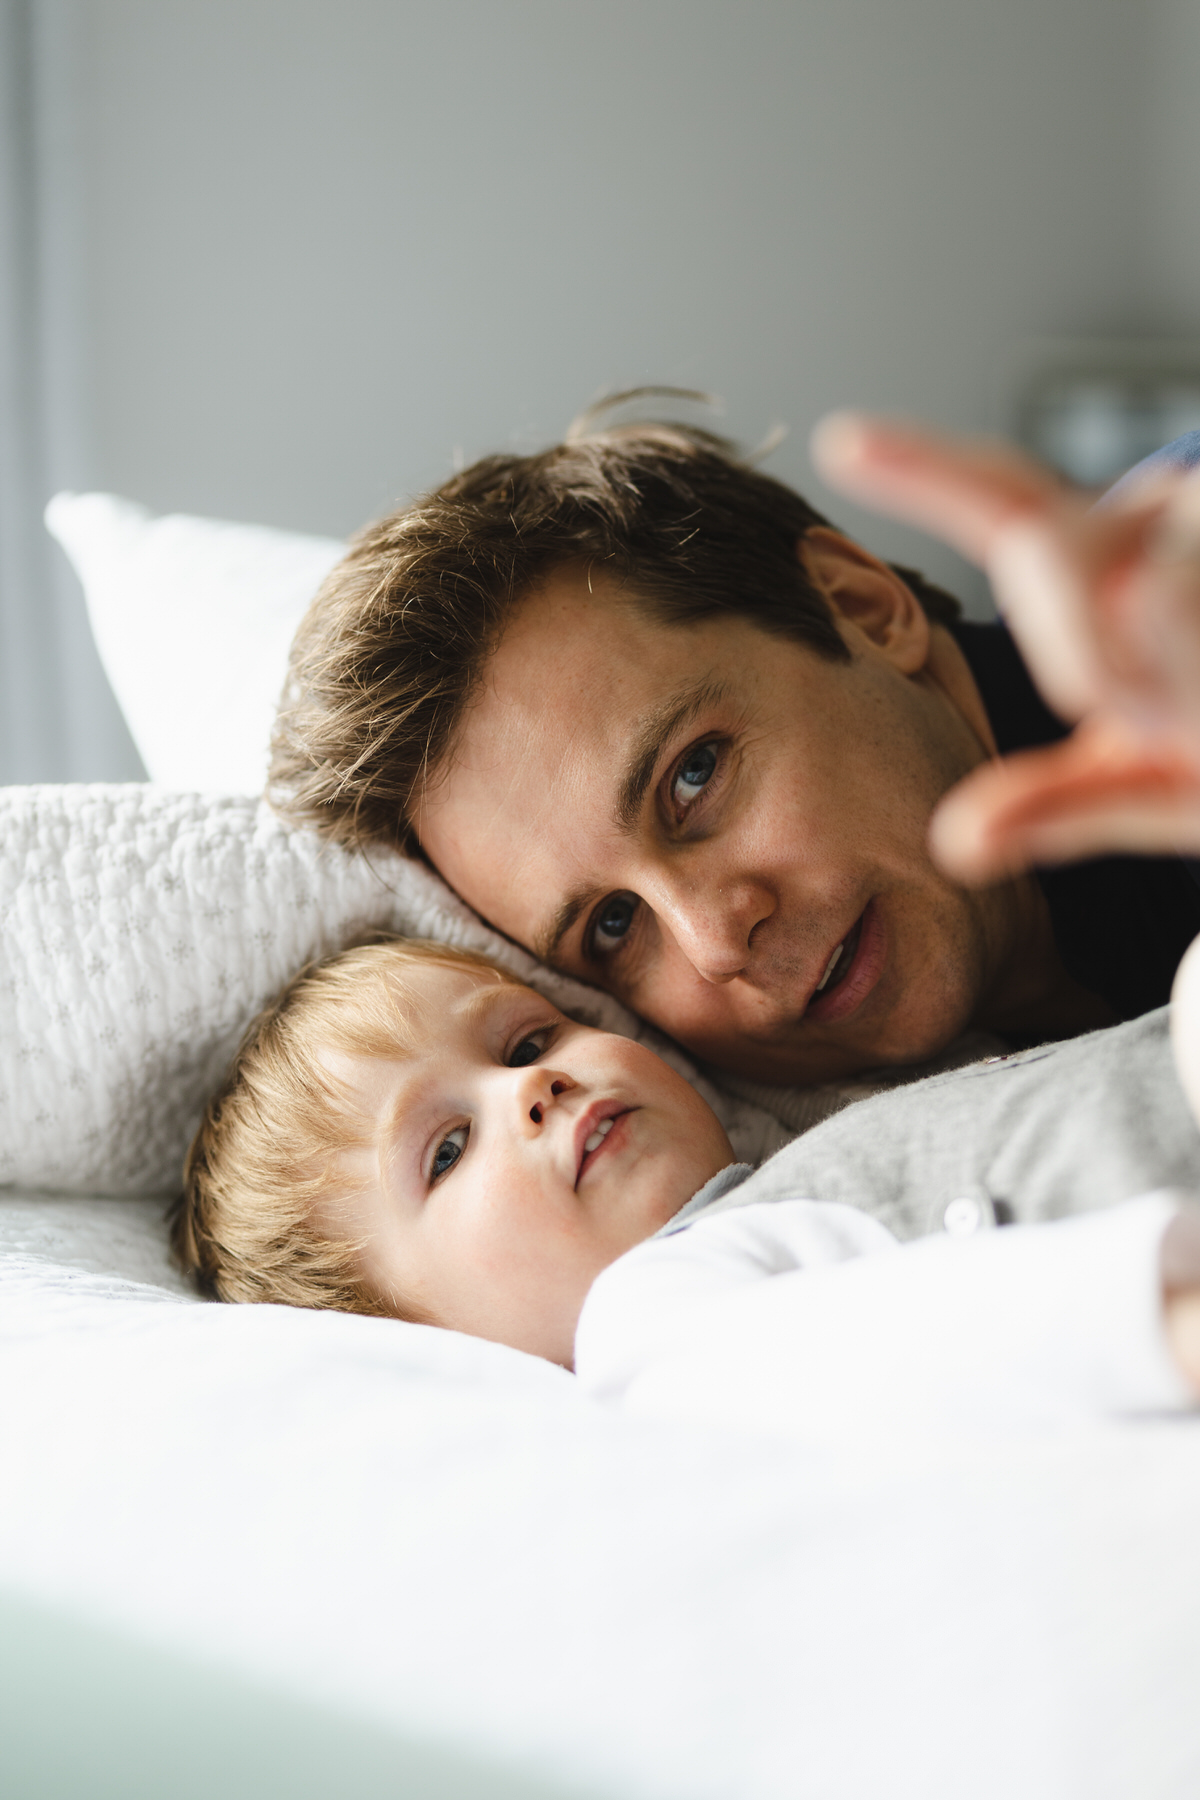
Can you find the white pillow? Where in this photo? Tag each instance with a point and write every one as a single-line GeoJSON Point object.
{"type": "Point", "coordinates": [140, 930]}
{"type": "Point", "coordinates": [193, 619]}
{"type": "Point", "coordinates": [109, 1249]}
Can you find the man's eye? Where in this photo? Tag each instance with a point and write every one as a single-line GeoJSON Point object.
{"type": "Point", "coordinates": [449, 1151]}
{"type": "Point", "coordinates": [612, 921]}
{"type": "Point", "coordinates": [527, 1051]}
{"type": "Point", "coordinates": [694, 774]}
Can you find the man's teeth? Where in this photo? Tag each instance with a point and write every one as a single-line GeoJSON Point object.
{"type": "Point", "coordinates": [598, 1136]}
{"type": "Point", "coordinates": [830, 966]}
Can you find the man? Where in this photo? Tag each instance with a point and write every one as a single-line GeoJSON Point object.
{"type": "Point", "coordinates": [658, 721]}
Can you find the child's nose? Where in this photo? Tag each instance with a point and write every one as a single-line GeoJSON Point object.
{"type": "Point", "coordinates": [542, 1092]}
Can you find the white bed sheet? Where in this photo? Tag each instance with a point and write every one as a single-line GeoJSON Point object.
{"type": "Point", "coordinates": [443, 1538]}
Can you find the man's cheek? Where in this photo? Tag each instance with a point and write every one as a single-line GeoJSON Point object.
{"type": "Point", "coordinates": [698, 1013]}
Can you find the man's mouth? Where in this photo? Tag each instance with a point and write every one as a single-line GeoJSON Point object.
{"type": "Point", "coordinates": [854, 968]}
{"type": "Point", "coordinates": [838, 965]}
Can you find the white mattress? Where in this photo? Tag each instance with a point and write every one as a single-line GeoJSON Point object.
{"type": "Point", "coordinates": [438, 1541]}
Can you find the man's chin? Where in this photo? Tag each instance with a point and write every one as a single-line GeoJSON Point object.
{"type": "Point", "coordinates": [800, 1063]}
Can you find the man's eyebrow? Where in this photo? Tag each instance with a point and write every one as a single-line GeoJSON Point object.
{"type": "Point", "coordinates": [545, 943]}
{"type": "Point", "coordinates": [656, 732]}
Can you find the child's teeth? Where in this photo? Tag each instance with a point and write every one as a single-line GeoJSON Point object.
{"type": "Point", "coordinates": [598, 1136]}
{"type": "Point", "coordinates": [830, 966]}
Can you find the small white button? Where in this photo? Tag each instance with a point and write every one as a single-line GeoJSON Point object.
{"type": "Point", "coordinates": [963, 1216]}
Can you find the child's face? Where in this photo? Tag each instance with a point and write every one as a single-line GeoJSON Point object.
{"type": "Point", "coordinates": [489, 1202]}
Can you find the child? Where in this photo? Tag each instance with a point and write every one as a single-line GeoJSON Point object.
{"type": "Point", "coordinates": [411, 1132]}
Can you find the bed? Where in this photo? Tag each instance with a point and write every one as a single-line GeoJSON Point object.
{"type": "Point", "coordinates": [255, 1550]}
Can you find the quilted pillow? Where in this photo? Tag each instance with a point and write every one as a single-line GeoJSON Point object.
{"type": "Point", "coordinates": [141, 929]}
{"type": "Point", "coordinates": [193, 619]}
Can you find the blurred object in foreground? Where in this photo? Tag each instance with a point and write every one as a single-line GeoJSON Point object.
{"type": "Point", "coordinates": [1093, 407]}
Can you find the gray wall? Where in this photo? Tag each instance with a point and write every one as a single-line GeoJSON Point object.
{"type": "Point", "coordinates": [1170, 245]}
{"type": "Point", "coordinates": [327, 246]}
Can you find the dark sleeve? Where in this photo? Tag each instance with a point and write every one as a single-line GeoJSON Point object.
{"type": "Point", "coordinates": [1121, 923]}
{"type": "Point", "coordinates": [1179, 456]}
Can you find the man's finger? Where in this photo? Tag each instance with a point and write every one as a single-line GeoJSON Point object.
{"type": "Point", "coordinates": [1095, 793]}
{"type": "Point", "coordinates": [1042, 591]}
{"type": "Point", "coordinates": [965, 490]}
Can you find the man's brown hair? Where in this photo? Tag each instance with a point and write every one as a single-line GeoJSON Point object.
{"type": "Point", "coordinates": [396, 641]}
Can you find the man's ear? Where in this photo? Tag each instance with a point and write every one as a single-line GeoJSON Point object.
{"type": "Point", "coordinates": [865, 593]}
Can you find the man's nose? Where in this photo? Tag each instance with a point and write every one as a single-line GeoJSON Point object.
{"type": "Point", "coordinates": [538, 1090]}
{"type": "Point", "coordinates": [715, 926]}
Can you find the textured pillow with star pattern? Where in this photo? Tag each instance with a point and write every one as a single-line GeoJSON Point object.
{"type": "Point", "coordinates": [141, 930]}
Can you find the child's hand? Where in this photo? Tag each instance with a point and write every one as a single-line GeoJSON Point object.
{"type": "Point", "coordinates": [1105, 605]}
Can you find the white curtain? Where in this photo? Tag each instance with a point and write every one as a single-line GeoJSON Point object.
{"type": "Point", "coordinates": [58, 719]}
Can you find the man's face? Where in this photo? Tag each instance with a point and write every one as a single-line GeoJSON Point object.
{"type": "Point", "coordinates": [722, 828]}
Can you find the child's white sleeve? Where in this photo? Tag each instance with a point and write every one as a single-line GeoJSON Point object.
{"type": "Point", "coordinates": [809, 1319]}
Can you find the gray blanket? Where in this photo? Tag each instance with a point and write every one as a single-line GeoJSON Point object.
{"type": "Point", "coordinates": [1041, 1134]}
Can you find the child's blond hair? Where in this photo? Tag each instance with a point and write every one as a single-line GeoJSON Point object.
{"type": "Point", "coordinates": [267, 1152]}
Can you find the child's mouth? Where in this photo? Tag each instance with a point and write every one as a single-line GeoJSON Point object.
{"type": "Point", "coordinates": [598, 1136]}
{"type": "Point", "coordinates": [601, 1135]}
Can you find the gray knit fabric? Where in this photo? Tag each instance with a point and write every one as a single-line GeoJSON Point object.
{"type": "Point", "coordinates": [1064, 1128]}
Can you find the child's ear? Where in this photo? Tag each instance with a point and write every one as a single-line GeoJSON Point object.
{"type": "Point", "coordinates": [866, 594]}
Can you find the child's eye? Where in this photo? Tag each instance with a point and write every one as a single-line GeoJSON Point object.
{"type": "Point", "coordinates": [527, 1051]}
{"type": "Point", "coordinates": [448, 1151]}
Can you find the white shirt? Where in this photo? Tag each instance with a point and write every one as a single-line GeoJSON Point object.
{"type": "Point", "coordinates": [804, 1318]}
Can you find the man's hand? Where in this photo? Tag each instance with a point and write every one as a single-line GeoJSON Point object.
{"type": "Point", "coordinates": [1105, 606]}
{"type": "Point", "coordinates": [1181, 1322]}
